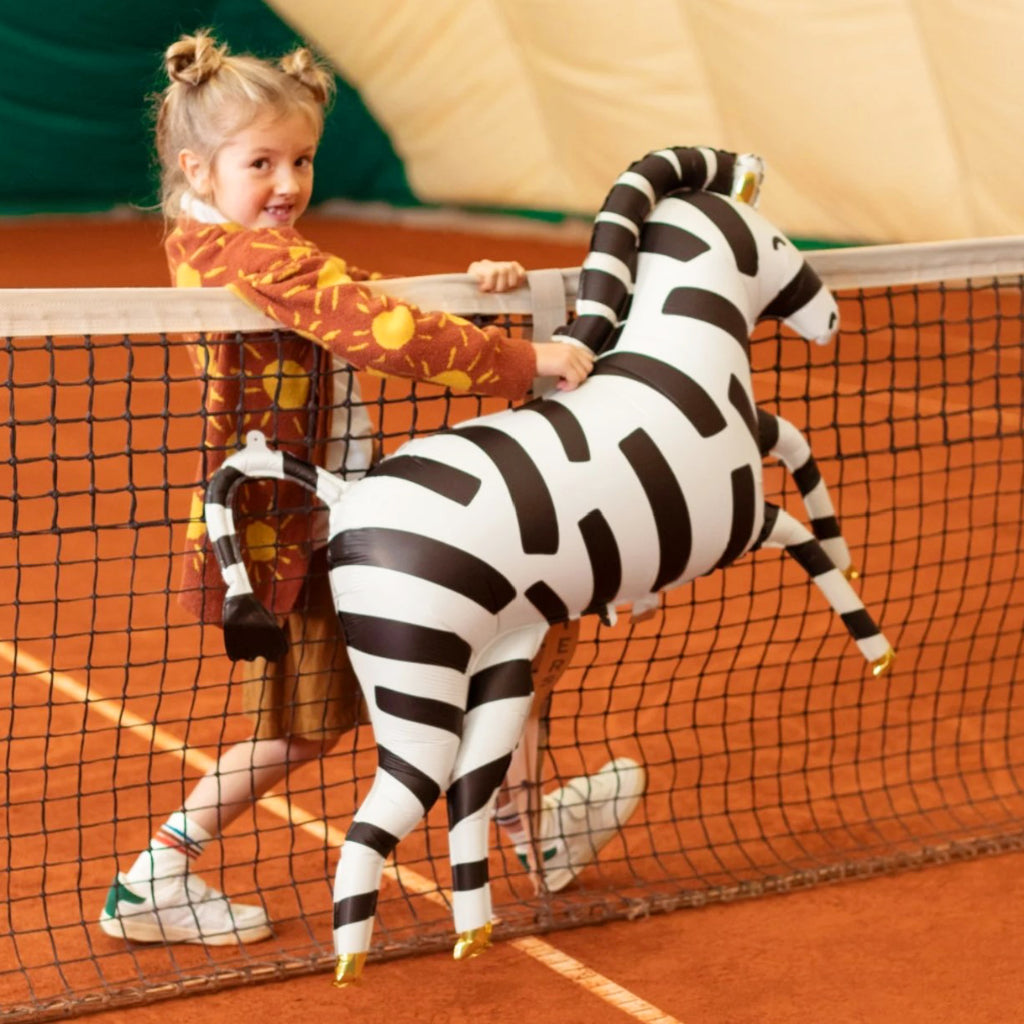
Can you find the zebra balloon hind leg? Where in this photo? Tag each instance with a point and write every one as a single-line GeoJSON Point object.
{"type": "Point", "coordinates": [459, 740]}
{"type": "Point", "coordinates": [781, 530]}
{"type": "Point", "coordinates": [780, 439]}
{"type": "Point", "coordinates": [410, 776]}
{"type": "Point", "coordinates": [499, 702]}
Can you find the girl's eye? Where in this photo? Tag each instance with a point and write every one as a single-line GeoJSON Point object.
{"type": "Point", "coordinates": [260, 164]}
{"type": "Point", "coordinates": [304, 161]}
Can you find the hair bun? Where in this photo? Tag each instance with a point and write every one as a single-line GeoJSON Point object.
{"type": "Point", "coordinates": [303, 66]}
{"type": "Point", "coordinates": [194, 59]}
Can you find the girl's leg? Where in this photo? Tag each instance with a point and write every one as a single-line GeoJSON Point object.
{"type": "Point", "coordinates": [300, 706]}
{"type": "Point", "coordinates": [244, 772]}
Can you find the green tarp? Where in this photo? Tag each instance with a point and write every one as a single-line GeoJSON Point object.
{"type": "Point", "coordinates": [76, 82]}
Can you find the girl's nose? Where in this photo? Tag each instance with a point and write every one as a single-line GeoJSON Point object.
{"type": "Point", "coordinates": [286, 182]}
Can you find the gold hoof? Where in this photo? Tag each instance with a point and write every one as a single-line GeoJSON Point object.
{"type": "Point", "coordinates": [881, 665]}
{"type": "Point", "coordinates": [851, 573]}
{"type": "Point", "coordinates": [473, 943]}
{"type": "Point", "coordinates": [348, 969]}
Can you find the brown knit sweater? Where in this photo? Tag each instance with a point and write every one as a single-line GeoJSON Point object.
{"type": "Point", "coordinates": [280, 384]}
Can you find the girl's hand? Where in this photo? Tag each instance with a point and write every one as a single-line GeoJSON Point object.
{"type": "Point", "coordinates": [497, 275]}
{"type": "Point", "coordinates": [570, 363]}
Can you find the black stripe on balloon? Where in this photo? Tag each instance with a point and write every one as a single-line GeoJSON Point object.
{"type": "Point", "coordinates": [471, 792]}
{"type": "Point", "coordinates": [740, 401]}
{"type": "Point", "coordinates": [668, 505]}
{"type": "Point", "coordinates": [693, 168]}
{"type": "Point", "coordinates": [221, 484]}
{"type": "Point", "coordinates": [722, 181]}
{"type": "Point", "coordinates": [661, 174]}
{"type": "Point", "coordinates": [598, 285]}
{"type": "Point", "coordinates": [535, 511]}
{"type": "Point", "coordinates": [615, 239]}
{"type": "Point", "coordinates": [811, 558]}
{"type": "Point", "coordinates": [860, 624]}
{"type": "Point", "coordinates": [546, 601]}
{"type": "Point", "coordinates": [404, 641]}
{"type": "Point", "coordinates": [805, 286]}
{"type": "Point", "coordinates": [298, 470]}
{"type": "Point", "coordinates": [682, 391]}
{"type": "Point", "coordinates": [771, 515]}
{"type": "Point", "coordinates": [742, 515]}
{"type": "Point", "coordinates": [376, 838]}
{"type": "Point", "coordinates": [421, 785]}
{"type": "Point", "coordinates": [767, 431]}
{"type": "Point", "coordinates": [447, 481]}
{"type": "Point", "coordinates": [567, 428]}
{"type": "Point", "coordinates": [467, 877]}
{"type": "Point", "coordinates": [355, 909]}
{"type": "Point", "coordinates": [709, 308]}
{"type": "Point", "coordinates": [613, 338]}
{"type": "Point", "coordinates": [826, 528]}
{"type": "Point", "coordinates": [425, 558]}
{"type": "Point", "coordinates": [733, 227]}
{"type": "Point", "coordinates": [425, 710]}
{"type": "Point", "coordinates": [674, 242]}
{"type": "Point", "coordinates": [605, 561]}
{"type": "Point", "coordinates": [226, 550]}
{"type": "Point", "coordinates": [591, 330]}
{"type": "Point", "coordinates": [808, 476]}
{"type": "Point", "coordinates": [503, 681]}
{"type": "Point", "coordinates": [627, 202]}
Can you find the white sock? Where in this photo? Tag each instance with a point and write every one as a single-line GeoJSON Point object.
{"type": "Point", "coordinates": [510, 822]}
{"type": "Point", "coordinates": [173, 847]}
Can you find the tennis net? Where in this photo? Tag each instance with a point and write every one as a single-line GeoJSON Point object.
{"type": "Point", "coordinates": [774, 760]}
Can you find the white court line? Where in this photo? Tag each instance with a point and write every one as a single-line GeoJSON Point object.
{"type": "Point", "coordinates": [113, 709]}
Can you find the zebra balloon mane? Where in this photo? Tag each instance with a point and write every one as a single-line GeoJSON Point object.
{"type": "Point", "coordinates": [451, 558]}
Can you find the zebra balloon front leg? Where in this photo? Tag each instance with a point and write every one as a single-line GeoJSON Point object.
{"type": "Point", "coordinates": [781, 530]}
{"type": "Point", "coordinates": [780, 439]}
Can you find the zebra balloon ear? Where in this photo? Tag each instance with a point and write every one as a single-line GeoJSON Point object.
{"type": "Point", "coordinates": [250, 631]}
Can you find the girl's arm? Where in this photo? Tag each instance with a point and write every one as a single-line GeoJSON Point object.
{"type": "Point", "coordinates": [312, 293]}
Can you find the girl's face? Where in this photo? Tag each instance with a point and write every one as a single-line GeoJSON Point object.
{"type": "Point", "coordinates": [262, 177]}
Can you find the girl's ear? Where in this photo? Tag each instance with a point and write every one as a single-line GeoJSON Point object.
{"type": "Point", "coordinates": [196, 171]}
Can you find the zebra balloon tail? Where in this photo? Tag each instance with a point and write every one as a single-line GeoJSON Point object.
{"type": "Point", "coordinates": [251, 630]}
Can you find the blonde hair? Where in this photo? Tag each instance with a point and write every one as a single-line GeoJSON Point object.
{"type": "Point", "coordinates": [213, 94]}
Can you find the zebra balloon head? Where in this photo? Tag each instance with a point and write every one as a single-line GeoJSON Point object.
{"type": "Point", "coordinates": [793, 292]}
{"type": "Point", "coordinates": [675, 238]}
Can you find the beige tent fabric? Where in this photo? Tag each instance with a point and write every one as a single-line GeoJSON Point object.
{"type": "Point", "coordinates": [879, 120]}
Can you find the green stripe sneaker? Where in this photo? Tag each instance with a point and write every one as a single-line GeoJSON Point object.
{"type": "Point", "coordinates": [581, 818]}
{"type": "Point", "coordinates": [182, 908]}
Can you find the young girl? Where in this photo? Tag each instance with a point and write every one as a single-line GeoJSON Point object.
{"type": "Point", "coordinates": [236, 137]}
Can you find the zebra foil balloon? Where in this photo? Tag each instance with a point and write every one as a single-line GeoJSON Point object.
{"type": "Point", "coordinates": [451, 558]}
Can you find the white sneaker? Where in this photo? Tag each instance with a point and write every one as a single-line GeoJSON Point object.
{"type": "Point", "coordinates": [582, 817]}
{"type": "Point", "coordinates": [180, 909]}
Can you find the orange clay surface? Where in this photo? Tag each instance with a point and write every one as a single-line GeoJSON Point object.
{"type": "Point", "coordinates": [926, 946]}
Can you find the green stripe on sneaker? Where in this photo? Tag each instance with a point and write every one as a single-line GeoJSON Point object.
{"type": "Point", "coordinates": [119, 891]}
{"type": "Point", "coordinates": [546, 855]}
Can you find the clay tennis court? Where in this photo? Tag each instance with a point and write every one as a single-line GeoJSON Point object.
{"type": "Point", "coordinates": [775, 761]}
